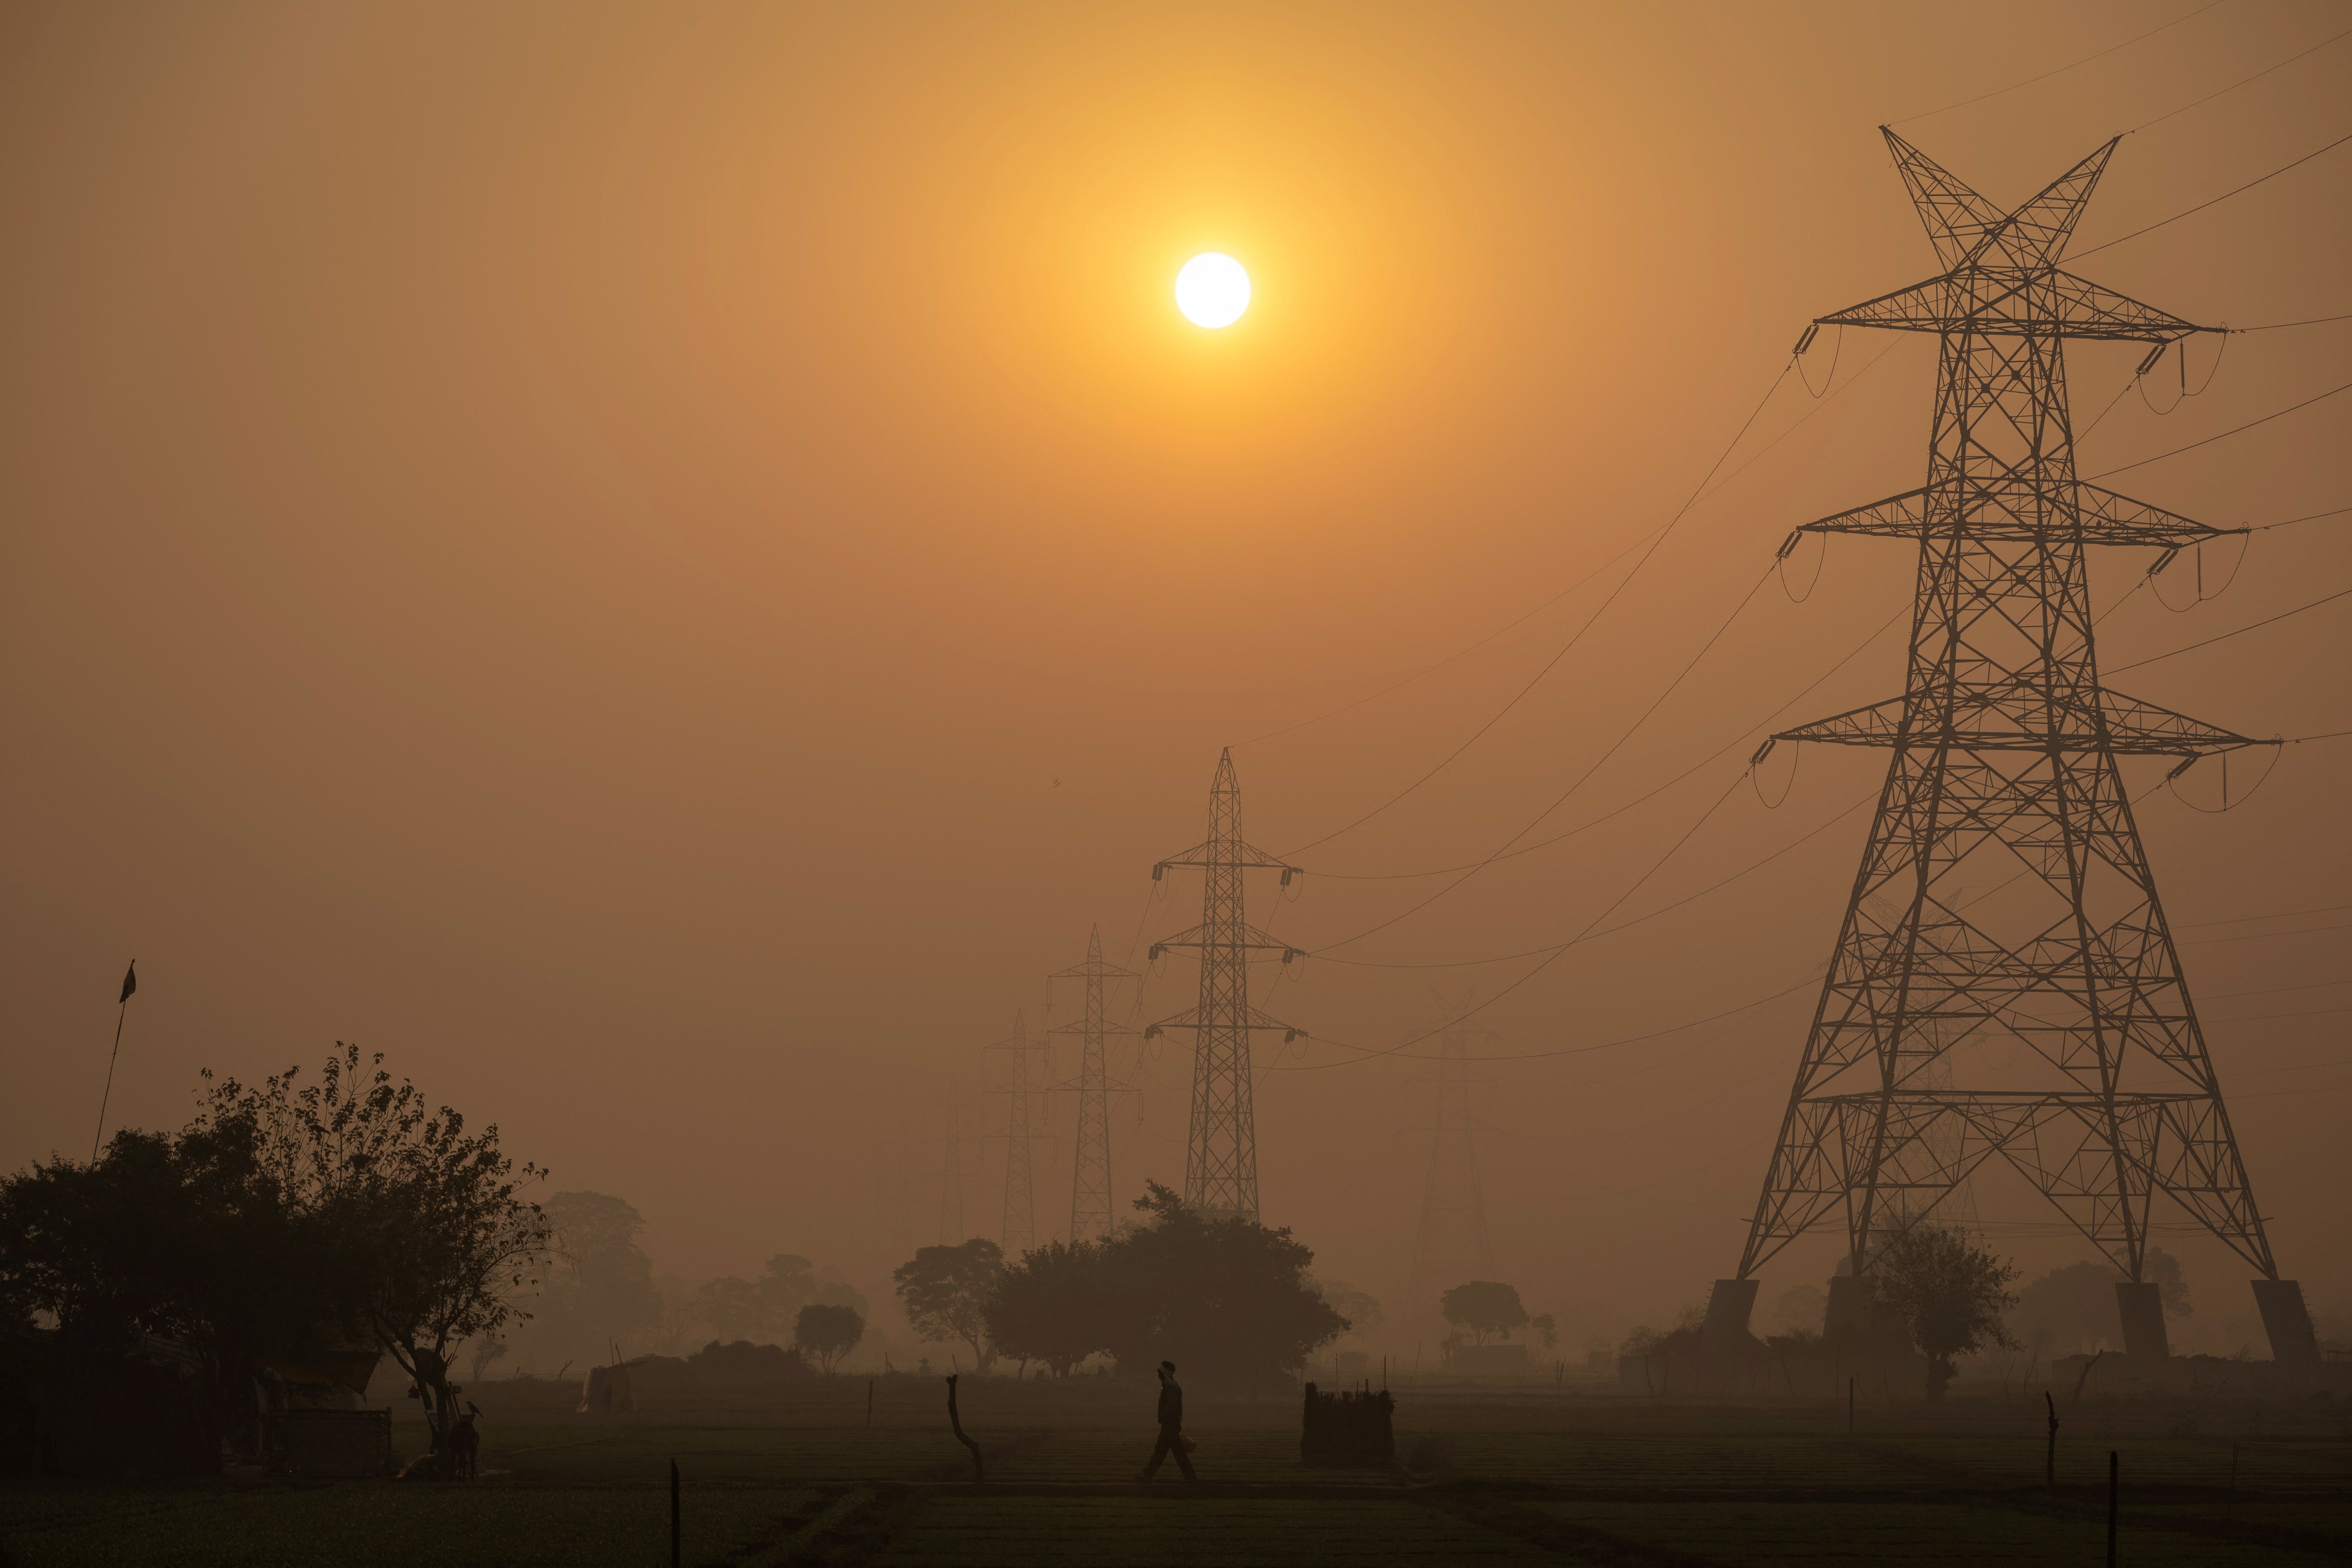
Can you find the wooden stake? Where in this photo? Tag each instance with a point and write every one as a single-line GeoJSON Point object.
{"type": "Point", "coordinates": [2116, 1477]}
{"type": "Point", "coordinates": [675, 1560]}
{"type": "Point", "coordinates": [2049, 1460]}
{"type": "Point", "coordinates": [979, 1474]}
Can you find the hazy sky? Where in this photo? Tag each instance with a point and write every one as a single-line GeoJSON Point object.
{"type": "Point", "coordinates": [660, 565]}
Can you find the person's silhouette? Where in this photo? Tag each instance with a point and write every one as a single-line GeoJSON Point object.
{"type": "Point", "coordinates": [1172, 1427]}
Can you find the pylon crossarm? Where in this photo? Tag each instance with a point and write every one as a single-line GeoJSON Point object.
{"type": "Point", "coordinates": [2047, 303]}
{"type": "Point", "coordinates": [2107, 518]}
{"type": "Point", "coordinates": [1896, 516]}
{"type": "Point", "coordinates": [2016, 715]}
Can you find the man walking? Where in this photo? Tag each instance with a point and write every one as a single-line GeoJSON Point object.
{"type": "Point", "coordinates": [1172, 1427]}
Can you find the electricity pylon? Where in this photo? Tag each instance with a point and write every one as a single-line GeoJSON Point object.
{"type": "Point", "coordinates": [1452, 1240]}
{"type": "Point", "coordinates": [1220, 1146]}
{"type": "Point", "coordinates": [2005, 778]}
{"type": "Point", "coordinates": [1020, 1127]}
{"type": "Point", "coordinates": [1091, 1194]}
{"type": "Point", "coordinates": [951, 1231]}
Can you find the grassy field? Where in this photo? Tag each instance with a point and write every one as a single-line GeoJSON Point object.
{"type": "Point", "coordinates": [1591, 1478]}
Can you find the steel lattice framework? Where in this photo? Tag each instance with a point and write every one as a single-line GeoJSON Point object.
{"type": "Point", "coordinates": [1092, 1216]}
{"type": "Point", "coordinates": [1021, 1129]}
{"type": "Point", "coordinates": [1452, 1240]}
{"type": "Point", "coordinates": [2058, 982]}
{"type": "Point", "coordinates": [1221, 1147]}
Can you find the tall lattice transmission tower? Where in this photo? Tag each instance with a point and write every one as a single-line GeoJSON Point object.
{"type": "Point", "coordinates": [1451, 1247]}
{"type": "Point", "coordinates": [1092, 1216]}
{"type": "Point", "coordinates": [2005, 779]}
{"type": "Point", "coordinates": [1024, 1124]}
{"type": "Point", "coordinates": [950, 1137]}
{"type": "Point", "coordinates": [1221, 1145]}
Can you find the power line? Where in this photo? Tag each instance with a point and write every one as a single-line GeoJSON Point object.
{"type": "Point", "coordinates": [1464, 653]}
{"type": "Point", "coordinates": [2062, 70]}
{"type": "Point", "coordinates": [2314, 517]}
{"type": "Point", "coordinates": [2278, 326]}
{"type": "Point", "coordinates": [2225, 637]}
{"type": "Point", "coordinates": [2274, 915]}
{"type": "Point", "coordinates": [1590, 622]}
{"type": "Point", "coordinates": [2236, 85]}
{"type": "Point", "coordinates": [2200, 206]}
{"type": "Point", "coordinates": [1736, 740]}
{"type": "Point", "coordinates": [1638, 919]}
{"type": "Point", "coordinates": [2267, 935]}
{"type": "Point", "coordinates": [1598, 764]}
{"type": "Point", "coordinates": [2238, 430]}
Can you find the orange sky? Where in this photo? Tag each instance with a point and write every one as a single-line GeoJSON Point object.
{"type": "Point", "coordinates": [661, 565]}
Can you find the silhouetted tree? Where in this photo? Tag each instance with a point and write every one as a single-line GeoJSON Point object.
{"type": "Point", "coordinates": [946, 1291]}
{"type": "Point", "coordinates": [185, 1237]}
{"type": "Point", "coordinates": [729, 1309]}
{"type": "Point", "coordinates": [1223, 1296]}
{"type": "Point", "coordinates": [1361, 1307]}
{"type": "Point", "coordinates": [599, 1291]}
{"type": "Point", "coordinates": [792, 1282]}
{"type": "Point", "coordinates": [1952, 1295]}
{"type": "Point", "coordinates": [1484, 1306]}
{"type": "Point", "coordinates": [1055, 1305]}
{"type": "Point", "coordinates": [827, 1333]}
{"type": "Point", "coordinates": [1547, 1330]}
{"type": "Point", "coordinates": [434, 1240]}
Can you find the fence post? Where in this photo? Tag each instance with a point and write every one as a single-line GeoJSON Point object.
{"type": "Point", "coordinates": [2115, 1478]}
{"type": "Point", "coordinates": [674, 1555]}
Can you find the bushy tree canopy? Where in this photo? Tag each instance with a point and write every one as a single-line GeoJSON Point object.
{"type": "Point", "coordinates": [1949, 1292]}
{"type": "Point", "coordinates": [826, 1333]}
{"type": "Point", "coordinates": [599, 1292]}
{"type": "Point", "coordinates": [1055, 1305]}
{"type": "Point", "coordinates": [1484, 1307]}
{"type": "Point", "coordinates": [1223, 1296]}
{"type": "Point", "coordinates": [946, 1291]}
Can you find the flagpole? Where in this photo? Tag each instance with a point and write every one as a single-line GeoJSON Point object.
{"type": "Point", "coordinates": [129, 986]}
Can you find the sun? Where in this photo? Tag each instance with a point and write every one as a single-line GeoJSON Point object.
{"type": "Point", "coordinates": [1212, 290]}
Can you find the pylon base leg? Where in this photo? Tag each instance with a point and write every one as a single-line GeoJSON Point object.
{"type": "Point", "coordinates": [2141, 1306]}
{"type": "Point", "coordinates": [2287, 1321]}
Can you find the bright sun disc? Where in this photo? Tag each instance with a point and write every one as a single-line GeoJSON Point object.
{"type": "Point", "coordinates": [1212, 290]}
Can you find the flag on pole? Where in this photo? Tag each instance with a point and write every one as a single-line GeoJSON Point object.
{"type": "Point", "coordinates": [129, 983]}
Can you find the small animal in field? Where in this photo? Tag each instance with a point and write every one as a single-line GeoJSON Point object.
{"type": "Point", "coordinates": [465, 1447]}
{"type": "Point", "coordinates": [458, 1460]}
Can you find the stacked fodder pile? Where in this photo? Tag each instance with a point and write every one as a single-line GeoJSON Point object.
{"type": "Point", "coordinates": [1348, 1429]}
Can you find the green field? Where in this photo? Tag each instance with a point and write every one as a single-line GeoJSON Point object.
{"type": "Point", "coordinates": [1591, 1478]}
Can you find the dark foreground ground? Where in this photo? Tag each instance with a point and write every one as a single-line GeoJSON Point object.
{"type": "Point", "coordinates": [1591, 1479]}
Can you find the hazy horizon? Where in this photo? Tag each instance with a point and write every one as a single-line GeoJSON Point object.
{"type": "Point", "coordinates": [662, 568]}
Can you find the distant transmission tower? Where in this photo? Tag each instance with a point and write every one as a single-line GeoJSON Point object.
{"type": "Point", "coordinates": [2005, 778]}
{"type": "Point", "coordinates": [1221, 1148]}
{"type": "Point", "coordinates": [952, 1230]}
{"type": "Point", "coordinates": [1021, 1126]}
{"type": "Point", "coordinates": [1092, 1197]}
{"type": "Point", "coordinates": [1452, 1247]}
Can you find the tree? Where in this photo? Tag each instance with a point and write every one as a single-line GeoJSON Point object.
{"type": "Point", "coordinates": [434, 1240]}
{"type": "Point", "coordinates": [946, 1291]}
{"type": "Point", "coordinates": [827, 1333]}
{"type": "Point", "coordinates": [186, 1237]}
{"type": "Point", "coordinates": [728, 1309]}
{"type": "Point", "coordinates": [1055, 1305]}
{"type": "Point", "coordinates": [1952, 1295]}
{"type": "Point", "coordinates": [1547, 1330]}
{"type": "Point", "coordinates": [1223, 1296]}
{"type": "Point", "coordinates": [1361, 1307]}
{"type": "Point", "coordinates": [792, 1282]}
{"type": "Point", "coordinates": [600, 1284]}
{"type": "Point", "coordinates": [1484, 1306]}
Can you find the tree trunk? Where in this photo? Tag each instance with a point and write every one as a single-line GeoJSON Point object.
{"type": "Point", "coordinates": [1939, 1375]}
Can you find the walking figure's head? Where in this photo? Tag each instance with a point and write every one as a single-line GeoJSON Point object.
{"type": "Point", "coordinates": [1167, 1369]}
